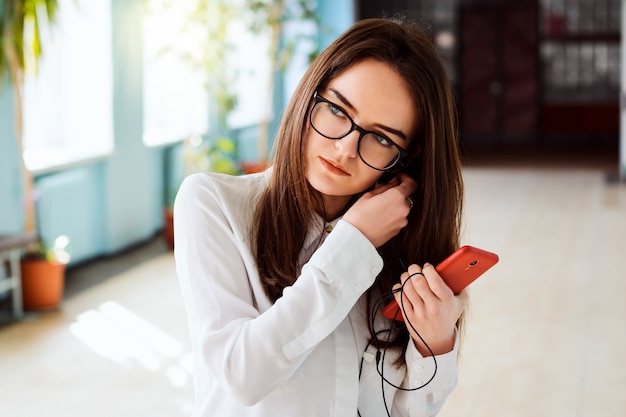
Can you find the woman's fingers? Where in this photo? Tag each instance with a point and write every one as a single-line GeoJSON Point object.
{"type": "Point", "coordinates": [402, 183]}
{"type": "Point", "coordinates": [422, 289]}
{"type": "Point", "coordinates": [436, 284]}
{"type": "Point", "coordinates": [416, 288]}
{"type": "Point", "coordinates": [406, 306]}
{"type": "Point", "coordinates": [388, 205]}
{"type": "Point", "coordinates": [406, 184]}
{"type": "Point", "coordinates": [430, 308]}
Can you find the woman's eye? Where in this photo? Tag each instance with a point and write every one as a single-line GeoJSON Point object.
{"type": "Point", "coordinates": [382, 140]}
{"type": "Point", "coordinates": [336, 110]}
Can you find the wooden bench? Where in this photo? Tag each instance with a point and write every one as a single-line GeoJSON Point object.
{"type": "Point", "coordinates": [11, 250]}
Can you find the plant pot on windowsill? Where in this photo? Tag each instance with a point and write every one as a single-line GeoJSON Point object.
{"type": "Point", "coordinates": [201, 155]}
{"type": "Point", "coordinates": [249, 167]}
{"type": "Point", "coordinates": [43, 276]}
{"type": "Point", "coordinates": [168, 227]}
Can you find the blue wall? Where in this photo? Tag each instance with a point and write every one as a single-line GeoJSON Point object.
{"type": "Point", "coordinates": [110, 204]}
{"type": "Point", "coordinates": [10, 177]}
{"type": "Point", "coordinates": [335, 17]}
{"type": "Point", "coordinates": [133, 178]}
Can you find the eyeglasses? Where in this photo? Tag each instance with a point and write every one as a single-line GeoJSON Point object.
{"type": "Point", "coordinates": [375, 150]}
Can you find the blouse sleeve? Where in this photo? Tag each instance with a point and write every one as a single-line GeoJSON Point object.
{"type": "Point", "coordinates": [424, 386]}
{"type": "Point", "coordinates": [441, 381]}
{"type": "Point", "coordinates": [247, 351]}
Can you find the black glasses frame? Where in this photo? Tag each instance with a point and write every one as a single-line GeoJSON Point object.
{"type": "Point", "coordinates": [402, 153]}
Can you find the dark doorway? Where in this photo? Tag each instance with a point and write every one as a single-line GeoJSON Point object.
{"type": "Point", "coordinates": [498, 69]}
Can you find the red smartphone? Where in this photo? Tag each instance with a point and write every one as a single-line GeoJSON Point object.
{"type": "Point", "coordinates": [458, 271]}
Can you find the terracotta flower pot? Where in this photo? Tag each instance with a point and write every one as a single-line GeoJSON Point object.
{"type": "Point", "coordinates": [254, 167]}
{"type": "Point", "coordinates": [42, 284]}
{"type": "Point", "coordinates": [168, 227]}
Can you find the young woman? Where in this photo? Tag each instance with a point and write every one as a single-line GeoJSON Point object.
{"type": "Point", "coordinates": [284, 273]}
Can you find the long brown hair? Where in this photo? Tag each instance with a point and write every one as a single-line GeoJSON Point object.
{"type": "Point", "coordinates": [287, 207]}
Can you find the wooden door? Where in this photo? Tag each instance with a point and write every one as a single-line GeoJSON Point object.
{"type": "Point", "coordinates": [498, 72]}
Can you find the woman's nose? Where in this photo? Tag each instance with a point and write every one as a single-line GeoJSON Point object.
{"type": "Point", "coordinates": [349, 144]}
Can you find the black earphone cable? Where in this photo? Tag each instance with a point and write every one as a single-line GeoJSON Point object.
{"type": "Point", "coordinates": [382, 351]}
{"type": "Point", "coordinates": [380, 358]}
{"type": "Point", "coordinates": [389, 331]}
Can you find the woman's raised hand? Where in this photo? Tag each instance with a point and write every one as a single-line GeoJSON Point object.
{"type": "Point", "coordinates": [381, 213]}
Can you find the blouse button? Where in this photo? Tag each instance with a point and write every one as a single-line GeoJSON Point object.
{"type": "Point", "coordinates": [329, 228]}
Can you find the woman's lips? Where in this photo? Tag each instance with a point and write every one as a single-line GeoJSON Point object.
{"type": "Point", "coordinates": [334, 167]}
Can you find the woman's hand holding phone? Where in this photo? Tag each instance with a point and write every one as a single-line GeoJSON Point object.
{"type": "Point", "coordinates": [380, 214]}
{"type": "Point", "coordinates": [433, 298]}
{"type": "Point", "coordinates": [431, 307]}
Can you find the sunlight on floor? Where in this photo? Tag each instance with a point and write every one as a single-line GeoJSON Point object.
{"type": "Point", "coordinates": [116, 333]}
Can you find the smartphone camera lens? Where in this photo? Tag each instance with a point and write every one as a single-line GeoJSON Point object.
{"type": "Point", "coordinates": [473, 263]}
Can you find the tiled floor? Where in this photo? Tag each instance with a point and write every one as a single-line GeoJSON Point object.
{"type": "Point", "coordinates": [546, 334]}
{"type": "Point", "coordinates": [547, 325]}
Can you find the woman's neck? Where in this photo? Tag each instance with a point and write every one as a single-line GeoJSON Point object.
{"type": "Point", "coordinates": [334, 206]}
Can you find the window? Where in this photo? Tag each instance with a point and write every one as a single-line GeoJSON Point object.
{"type": "Point", "coordinates": [179, 54]}
{"type": "Point", "coordinates": [175, 98]}
{"type": "Point", "coordinates": [581, 50]}
{"type": "Point", "coordinates": [68, 111]}
{"type": "Point", "coordinates": [249, 58]}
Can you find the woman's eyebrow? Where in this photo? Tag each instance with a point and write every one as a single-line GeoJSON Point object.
{"type": "Point", "coordinates": [349, 105]}
{"type": "Point", "coordinates": [343, 99]}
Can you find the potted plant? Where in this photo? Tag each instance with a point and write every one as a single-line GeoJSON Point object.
{"type": "Point", "coordinates": [271, 17]}
{"type": "Point", "coordinates": [207, 29]}
{"type": "Point", "coordinates": [43, 274]}
{"type": "Point", "coordinates": [20, 51]}
{"type": "Point", "coordinates": [202, 155]}
{"type": "Point", "coordinates": [215, 155]}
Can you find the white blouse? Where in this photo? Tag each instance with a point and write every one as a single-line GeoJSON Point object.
{"type": "Point", "coordinates": [306, 354]}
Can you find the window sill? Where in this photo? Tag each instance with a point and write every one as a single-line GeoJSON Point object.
{"type": "Point", "coordinates": [156, 140]}
{"type": "Point", "coordinates": [52, 159]}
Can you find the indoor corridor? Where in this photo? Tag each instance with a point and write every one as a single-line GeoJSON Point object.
{"type": "Point", "coordinates": [545, 334]}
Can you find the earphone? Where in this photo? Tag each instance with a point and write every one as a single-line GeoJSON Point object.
{"type": "Point", "coordinates": [382, 351]}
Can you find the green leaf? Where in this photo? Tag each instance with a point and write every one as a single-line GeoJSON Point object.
{"type": "Point", "coordinates": [225, 145]}
{"type": "Point", "coordinates": [13, 16]}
